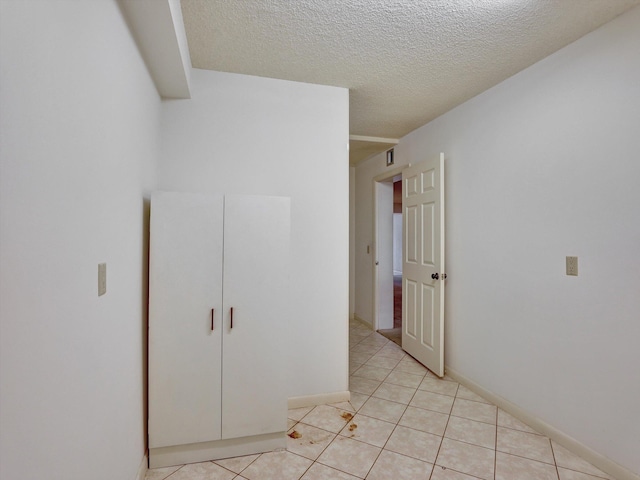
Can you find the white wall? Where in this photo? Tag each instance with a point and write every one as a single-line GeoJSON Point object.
{"type": "Point", "coordinates": [78, 138]}
{"type": "Point", "coordinates": [363, 243]}
{"type": "Point", "coordinates": [242, 134]}
{"type": "Point", "coordinates": [543, 166]}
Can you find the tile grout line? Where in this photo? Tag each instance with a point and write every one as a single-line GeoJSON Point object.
{"type": "Point", "coordinates": [444, 432]}
{"type": "Point", "coordinates": [336, 435]}
{"type": "Point", "coordinates": [179, 468]}
{"type": "Point", "coordinates": [305, 458]}
{"type": "Point", "coordinates": [385, 443]}
{"type": "Point", "coordinates": [397, 423]}
{"type": "Point", "coordinates": [239, 473]}
{"type": "Point", "coordinates": [394, 428]}
{"type": "Point", "coordinates": [408, 404]}
{"type": "Point", "coordinates": [555, 462]}
{"type": "Point", "coordinates": [528, 458]}
{"type": "Point", "coordinates": [313, 462]}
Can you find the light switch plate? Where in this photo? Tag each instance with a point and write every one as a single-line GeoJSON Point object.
{"type": "Point", "coordinates": [102, 279]}
{"type": "Point", "coordinates": [572, 266]}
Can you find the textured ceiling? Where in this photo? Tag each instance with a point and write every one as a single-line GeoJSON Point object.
{"type": "Point", "coordinates": [405, 62]}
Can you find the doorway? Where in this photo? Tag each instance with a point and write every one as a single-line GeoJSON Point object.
{"type": "Point", "coordinates": [388, 256]}
{"type": "Point", "coordinates": [397, 254]}
{"type": "Point", "coordinates": [394, 333]}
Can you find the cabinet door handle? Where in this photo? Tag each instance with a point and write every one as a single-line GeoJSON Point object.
{"type": "Point", "coordinates": [231, 317]}
{"type": "Point", "coordinates": [212, 312]}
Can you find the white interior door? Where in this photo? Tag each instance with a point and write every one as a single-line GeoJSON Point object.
{"type": "Point", "coordinates": [423, 263]}
{"type": "Point", "coordinates": [256, 279]}
{"type": "Point", "coordinates": [185, 280]}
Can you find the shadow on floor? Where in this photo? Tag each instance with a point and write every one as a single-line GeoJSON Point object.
{"type": "Point", "coordinates": [393, 334]}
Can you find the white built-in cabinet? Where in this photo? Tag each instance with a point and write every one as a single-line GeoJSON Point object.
{"type": "Point", "coordinates": [218, 306]}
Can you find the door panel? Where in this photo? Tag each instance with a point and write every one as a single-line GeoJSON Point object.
{"type": "Point", "coordinates": [185, 283]}
{"type": "Point", "coordinates": [428, 303]}
{"type": "Point", "coordinates": [423, 295]}
{"type": "Point", "coordinates": [256, 279]}
{"type": "Point", "coordinates": [411, 184]}
{"type": "Point", "coordinates": [428, 243]}
{"type": "Point", "coordinates": [410, 217]}
{"type": "Point", "coordinates": [410, 298]}
{"type": "Point", "coordinates": [428, 180]}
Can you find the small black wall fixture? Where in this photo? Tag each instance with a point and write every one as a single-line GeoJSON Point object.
{"type": "Point", "coordinates": [389, 157]}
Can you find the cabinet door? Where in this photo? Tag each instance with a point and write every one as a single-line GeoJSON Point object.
{"type": "Point", "coordinates": [185, 284]}
{"type": "Point", "coordinates": [256, 276]}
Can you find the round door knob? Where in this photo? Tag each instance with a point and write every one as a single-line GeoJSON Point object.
{"type": "Point", "coordinates": [435, 276]}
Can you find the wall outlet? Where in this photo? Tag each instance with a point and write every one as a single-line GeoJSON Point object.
{"type": "Point", "coordinates": [572, 266]}
{"type": "Point", "coordinates": [102, 279]}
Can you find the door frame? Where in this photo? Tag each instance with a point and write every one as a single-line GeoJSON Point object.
{"type": "Point", "coordinates": [381, 178]}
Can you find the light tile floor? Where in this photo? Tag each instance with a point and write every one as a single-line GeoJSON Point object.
{"type": "Point", "coordinates": [402, 423]}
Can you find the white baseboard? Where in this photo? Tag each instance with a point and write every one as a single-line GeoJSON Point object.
{"type": "Point", "coordinates": [144, 466]}
{"type": "Point", "coordinates": [319, 399]}
{"type": "Point", "coordinates": [603, 463]}
{"type": "Point", "coordinates": [363, 322]}
{"type": "Point", "coordinates": [205, 451]}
